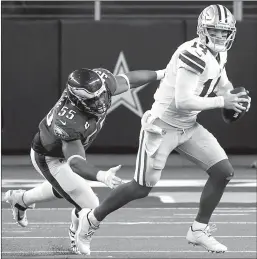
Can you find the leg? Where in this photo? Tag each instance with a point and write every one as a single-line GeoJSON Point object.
{"type": "Point", "coordinates": [65, 183]}
{"type": "Point", "coordinates": [20, 200]}
{"type": "Point", "coordinates": [203, 149]}
{"type": "Point", "coordinates": [127, 192]}
{"type": "Point", "coordinates": [61, 182]}
{"type": "Point", "coordinates": [151, 158]}
{"type": "Point", "coordinates": [219, 176]}
{"type": "Point", "coordinates": [70, 186]}
{"type": "Point", "coordinates": [42, 192]}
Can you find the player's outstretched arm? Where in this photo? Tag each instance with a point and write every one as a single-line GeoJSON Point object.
{"type": "Point", "coordinates": [75, 155]}
{"type": "Point", "coordinates": [135, 79]}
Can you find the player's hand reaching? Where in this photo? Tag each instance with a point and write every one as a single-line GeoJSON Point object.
{"type": "Point", "coordinates": [233, 101]}
{"type": "Point", "coordinates": [109, 177]}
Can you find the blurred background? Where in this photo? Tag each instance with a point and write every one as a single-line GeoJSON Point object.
{"type": "Point", "coordinates": [43, 41]}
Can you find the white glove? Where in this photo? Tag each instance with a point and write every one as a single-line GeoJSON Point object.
{"type": "Point", "coordinates": [108, 177]}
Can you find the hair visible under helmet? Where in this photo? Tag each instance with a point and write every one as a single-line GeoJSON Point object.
{"type": "Point", "coordinates": [216, 17]}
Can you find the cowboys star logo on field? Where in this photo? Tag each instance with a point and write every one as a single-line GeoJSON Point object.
{"type": "Point", "coordinates": [130, 98]}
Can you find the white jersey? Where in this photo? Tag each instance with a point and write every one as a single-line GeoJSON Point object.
{"type": "Point", "coordinates": [195, 57]}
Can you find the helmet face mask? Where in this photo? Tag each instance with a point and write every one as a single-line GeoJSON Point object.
{"type": "Point", "coordinates": [87, 91]}
{"type": "Point", "coordinates": [216, 28]}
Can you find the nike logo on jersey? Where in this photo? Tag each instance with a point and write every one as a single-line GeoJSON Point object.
{"type": "Point", "coordinates": [63, 122]}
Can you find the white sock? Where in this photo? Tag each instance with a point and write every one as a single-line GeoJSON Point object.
{"type": "Point", "coordinates": [40, 193]}
{"type": "Point", "coordinates": [198, 225]}
{"type": "Point", "coordinates": [93, 219]}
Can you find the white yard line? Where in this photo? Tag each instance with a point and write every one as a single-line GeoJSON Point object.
{"type": "Point", "coordinates": [235, 209]}
{"type": "Point", "coordinates": [120, 237]}
{"type": "Point", "coordinates": [137, 223]}
{"type": "Point", "coordinates": [29, 183]}
{"type": "Point", "coordinates": [128, 251]}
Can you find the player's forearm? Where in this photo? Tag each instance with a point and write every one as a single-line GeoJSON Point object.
{"type": "Point", "coordinates": [197, 103]}
{"type": "Point", "coordinates": [141, 77]}
{"type": "Point", "coordinates": [86, 170]}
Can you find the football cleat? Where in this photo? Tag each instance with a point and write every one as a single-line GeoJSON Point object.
{"type": "Point", "coordinates": [72, 231]}
{"type": "Point", "coordinates": [72, 241]}
{"type": "Point", "coordinates": [15, 199]}
{"type": "Point", "coordinates": [84, 232]}
{"type": "Point", "coordinates": [203, 237]}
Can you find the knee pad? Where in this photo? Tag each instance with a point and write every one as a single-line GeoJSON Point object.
{"type": "Point", "coordinates": [222, 170]}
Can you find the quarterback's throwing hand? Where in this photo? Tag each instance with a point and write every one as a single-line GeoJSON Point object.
{"type": "Point", "coordinates": [109, 178]}
{"type": "Point", "coordinates": [234, 101]}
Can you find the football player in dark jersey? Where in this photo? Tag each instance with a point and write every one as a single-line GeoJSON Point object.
{"type": "Point", "coordinates": [58, 150]}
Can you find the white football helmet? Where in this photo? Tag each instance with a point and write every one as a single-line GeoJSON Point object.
{"type": "Point", "coordinates": [220, 18]}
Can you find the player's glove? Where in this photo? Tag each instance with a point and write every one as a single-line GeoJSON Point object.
{"type": "Point", "coordinates": [109, 178]}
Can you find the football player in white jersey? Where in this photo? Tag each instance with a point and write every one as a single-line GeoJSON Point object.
{"type": "Point", "coordinates": [195, 71]}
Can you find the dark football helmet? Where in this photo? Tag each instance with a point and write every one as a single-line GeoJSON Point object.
{"type": "Point", "coordinates": [88, 91]}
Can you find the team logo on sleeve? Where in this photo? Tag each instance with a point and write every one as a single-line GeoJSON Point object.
{"type": "Point", "coordinates": [130, 98]}
{"type": "Point", "coordinates": [59, 132]}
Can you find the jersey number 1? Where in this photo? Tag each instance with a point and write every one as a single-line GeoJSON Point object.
{"type": "Point", "coordinates": [206, 87]}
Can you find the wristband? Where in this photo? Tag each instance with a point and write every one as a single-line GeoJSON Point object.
{"type": "Point", "coordinates": [100, 176]}
{"type": "Point", "coordinates": [160, 74]}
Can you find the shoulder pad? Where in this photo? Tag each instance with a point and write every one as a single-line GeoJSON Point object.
{"type": "Point", "coordinates": [108, 78]}
{"type": "Point", "coordinates": [193, 58]}
{"type": "Point", "coordinates": [191, 61]}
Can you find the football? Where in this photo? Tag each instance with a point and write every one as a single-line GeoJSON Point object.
{"type": "Point", "coordinates": [230, 116]}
